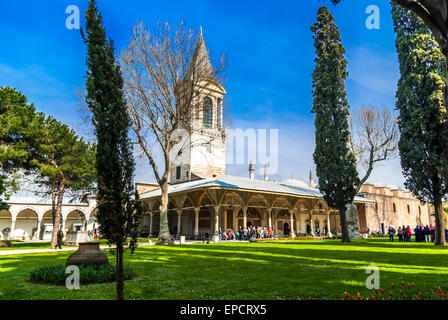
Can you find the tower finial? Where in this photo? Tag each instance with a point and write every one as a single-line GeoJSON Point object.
{"type": "Point", "coordinates": [311, 178]}
{"type": "Point", "coordinates": [200, 31]}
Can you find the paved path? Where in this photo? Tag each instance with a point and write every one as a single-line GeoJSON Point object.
{"type": "Point", "coordinates": [27, 251]}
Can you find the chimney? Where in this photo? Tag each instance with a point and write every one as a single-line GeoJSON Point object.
{"type": "Point", "coordinates": [266, 177]}
{"type": "Point", "coordinates": [251, 170]}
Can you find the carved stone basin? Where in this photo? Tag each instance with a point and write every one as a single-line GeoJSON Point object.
{"type": "Point", "coordinates": [88, 253]}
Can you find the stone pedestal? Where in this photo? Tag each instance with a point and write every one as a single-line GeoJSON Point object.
{"type": "Point", "coordinates": [76, 237]}
{"type": "Point", "coordinates": [215, 239]}
{"type": "Point", "coordinates": [182, 239]}
{"type": "Point", "coordinates": [88, 253]}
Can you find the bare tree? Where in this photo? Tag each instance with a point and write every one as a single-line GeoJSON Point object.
{"type": "Point", "coordinates": [166, 76]}
{"type": "Point", "coordinates": [374, 138]}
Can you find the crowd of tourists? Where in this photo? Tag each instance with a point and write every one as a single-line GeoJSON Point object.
{"type": "Point", "coordinates": [256, 232]}
{"type": "Point", "coordinates": [421, 234]}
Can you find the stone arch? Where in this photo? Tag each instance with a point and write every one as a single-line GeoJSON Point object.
{"type": "Point", "coordinates": [75, 220]}
{"type": "Point", "coordinates": [92, 221]}
{"type": "Point", "coordinates": [26, 224]}
{"type": "Point", "coordinates": [46, 225]}
{"type": "Point", "coordinates": [5, 224]}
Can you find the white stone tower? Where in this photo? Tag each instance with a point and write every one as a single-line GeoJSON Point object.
{"type": "Point", "coordinates": [202, 150]}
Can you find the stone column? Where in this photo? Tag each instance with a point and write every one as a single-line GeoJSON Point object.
{"type": "Point", "coordinates": [312, 223]}
{"type": "Point", "coordinates": [225, 220]}
{"type": "Point", "coordinates": [39, 223]}
{"type": "Point", "coordinates": [13, 227]}
{"type": "Point", "coordinates": [269, 213]}
{"type": "Point", "coordinates": [298, 229]}
{"type": "Point", "coordinates": [150, 224]}
{"type": "Point", "coordinates": [196, 220]}
{"type": "Point", "coordinates": [216, 220]}
{"type": "Point", "coordinates": [244, 217]}
{"type": "Point", "coordinates": [236, 210]}
{"type": "Point", "coordinates": [63, 226]}
{"type": "Point", "coordinates": [328, 224]}
{"type": "Point", "coordinates": [179, 221]}
{"type": "Point", "coordinates": [274, 222]}
{"type": "Point", "coordinates": [291, 213]}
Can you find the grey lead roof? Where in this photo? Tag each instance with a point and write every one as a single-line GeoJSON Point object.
{"type": "Point", "coordinates": [232, 182]}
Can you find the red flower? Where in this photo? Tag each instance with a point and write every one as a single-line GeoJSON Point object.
{"type": "Point", "coordinates": [382, 291]}
{"type": "Point", "coordinates": [413, 284]}
{"type": "Point", "coordinates": [409, 285]}
{"type": "Point", "coordinates": [390, 298]}
{"type": "Point", "coordinates": [401, 292]}
{"type": "Point", "coordinates": [402, 283]}
{"type": "Point", "coordinates": [390, 293]}
{"type": "Point", "coordinates": [393, 285]}
{"type": "Point", "coordinates": [359, 296]}
{"type": "Point", "coordinates": [373, 297]}
{"type": "Point", "coordinates": [376, 290]}
{"type": "Point", "coordinates": [432, 291]}
{"type": "Point", "coordinates": [420, 294]}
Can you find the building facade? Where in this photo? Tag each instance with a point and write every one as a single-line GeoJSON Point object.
{"type": "Point", "coordinates": [394, 207]}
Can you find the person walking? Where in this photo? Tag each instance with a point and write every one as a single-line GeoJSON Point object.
{"type": "Point", "coordinates": [60, 236]}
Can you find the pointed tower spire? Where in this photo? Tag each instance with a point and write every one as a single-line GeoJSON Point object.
{"type": "Point", "coordinates": [311, 178]}
{"type": "Point", "coordinates": [266, 177]}
{"type": "Point", "coordinates": [251, 170]}
{"type": "Point", "coordinates": [200, 62]}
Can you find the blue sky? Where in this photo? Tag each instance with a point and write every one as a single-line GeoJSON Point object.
{"type": "Point", "coordinates": [269, 50]}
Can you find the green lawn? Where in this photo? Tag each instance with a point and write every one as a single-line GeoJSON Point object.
{"type": "Point", "coordinates": [19, 245]}
{"type": "Point", "coordinates": [276, 270]}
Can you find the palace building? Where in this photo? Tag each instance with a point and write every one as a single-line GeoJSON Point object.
{"type": "Point", "coordinates": [204, 199]}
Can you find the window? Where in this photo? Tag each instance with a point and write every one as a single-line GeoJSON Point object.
{"type": "Point", "coordinates": [178, 169]}
{"type": "Point", "coordinates": [186, 174]}
{"type": "Point", "coordinates": [409, 209]}
{"type": "Point", "coordinates": [218, 116]}
{"type": "Point", "coordinates": [395, 208]}
{"type": "Point", "coordinates": [207, 112]}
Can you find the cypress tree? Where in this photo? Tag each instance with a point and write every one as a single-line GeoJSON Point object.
{"type": "Point", "coordinates": [118, 213]}
{"type": "Point", "coordinates": [335, 164]}
{"type": "Point", "coordinates": [422, 113]}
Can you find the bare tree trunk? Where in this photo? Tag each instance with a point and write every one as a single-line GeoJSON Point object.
{"type": "Point", "coordinates": [440, 239]}
{"type": "Point", "coordinates": [120, 271]}
{"type": "Point", "coordinates": [164, 233]}
{"type": "Point", "coordinates": [58, 214]}
{"type": "Point", "coordinates": [345, 235]}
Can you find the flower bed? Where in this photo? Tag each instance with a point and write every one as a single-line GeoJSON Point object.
{"type": "Point", "coordinates": [403, 291]}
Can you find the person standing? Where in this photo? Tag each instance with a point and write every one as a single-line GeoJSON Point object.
{"type": "Point", "coordinates": [400, 234]}
{"type": "Point", "coordinates": [391, 234]}
{"type": "Point", "coordinates": [408, 233]}
{"type": "Point", "coordinates": [60, 236]}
